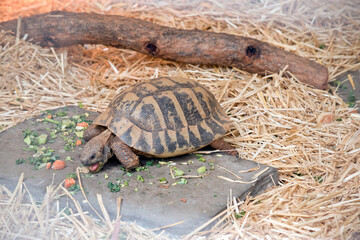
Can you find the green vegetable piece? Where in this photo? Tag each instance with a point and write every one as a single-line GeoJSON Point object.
{"type": "Point", "coordinates": [351, 99]}
{"type": "Point", "coordinates": [150, 163]}
{"type": "Point", "coordinates": [74, 188]}
{"type": "Point", "coordinates": [113, 187]}
{"type": "Point", "coordinates": [51, 121]}
{"type": "Point", "coordinates": [322, 46]}
{"type": "Point", "coordinates": [201, 170]}
{"type": "Point", "coordinates": [139, 178]}
{"type": "Point", "coordinates": [27, 140]}
{"type": "Point", "coordinates": [80, 105]}
{"type": "Point", "coordinates": [178, 172]}
{"type": "Point", "coordinates": [42, 165]}
{"type": "Point", "coordinates": [141, 168]}
{"type": "Point", "coordinates": [20, 161]}
{"type": "Point", "coordinates": [62, 114]}
{"type": "Point", "coordinates": [71, 175]}
{"type": "Point", "coordinates": [67, 124]}
{"type": "Point", "coordinates": [163, 180]}
{"type": "Point", "coordinates": [200, 158]}
{"type": "Point", "coordinates": [41, 139]}
{"type": "Point", "coordinates": [80, 134]}
{"type": "Point", "coordinates": [53, 134]}
{"type": "Point", "coordinates": [239, 215]}
{"type": "Point", "coordinates": [182, 181]}
{"type": "Point", "coordinates": [68, 158]}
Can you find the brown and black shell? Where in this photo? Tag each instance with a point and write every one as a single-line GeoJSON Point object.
{"type": "Point", "coordinates": [165, 117]}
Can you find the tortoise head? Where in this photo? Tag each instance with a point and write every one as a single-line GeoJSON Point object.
{"type": "Point", "coordinates": [96, 152]}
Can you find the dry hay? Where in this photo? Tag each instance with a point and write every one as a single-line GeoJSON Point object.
{"type": "Point", "coordinates": [310, 136]}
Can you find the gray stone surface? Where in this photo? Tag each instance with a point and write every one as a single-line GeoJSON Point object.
{"type": "Point", "coordinates": [150, 203]}
{"type": "Point", "coordinates": [346, 88]}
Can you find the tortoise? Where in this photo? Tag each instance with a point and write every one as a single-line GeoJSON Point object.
{"type": "Point", "coordinates": [162, 117]}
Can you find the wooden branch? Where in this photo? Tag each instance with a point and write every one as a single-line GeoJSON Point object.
{"type": "Point", "coordinates": [60, 29]}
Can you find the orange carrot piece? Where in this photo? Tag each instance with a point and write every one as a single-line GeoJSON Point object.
{"type": "Point", "coordinates": [69, 182]}
{"type": "Point", "coordinates": [58, 164]}
{"type": "Point", "coordinates": [48, 165]}
{"type": "Point", "coordinates": [78, 142]}
{"type": "Point", "coordinates": [82, 124]}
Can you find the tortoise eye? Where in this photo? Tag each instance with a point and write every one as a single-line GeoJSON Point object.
{"type": "Point", "coordinates": [92, 156]}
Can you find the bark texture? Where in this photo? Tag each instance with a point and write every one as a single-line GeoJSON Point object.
{"type": "Point", "coordinates": [60, 29]}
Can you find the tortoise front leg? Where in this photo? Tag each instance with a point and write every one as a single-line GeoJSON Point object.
{"type": "Point", "coordinates": [92, 131]}
{"type": "Point", "coordinates": [220, 144]}
{"type": "Point", "coordinates": [124, 154]}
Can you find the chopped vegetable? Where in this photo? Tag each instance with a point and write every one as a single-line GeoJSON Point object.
{"type": "Point", "coordinates": [114, 187]}
{"type": "Point", "coordinates": [49, 116]}
{"type": "Point", "coordinates": [149, 163]}
{"type": "Point", "coordinates": [183, 200]}
{"type": "Point", "coordinates": [20, 161]}
{"type": "Point", "coordinates": [51, 121]}
{"type": "Point", "coordinates": [80, 105]}
{"type": "Point", "coordinates": [182, 181]}
{"type": "Point", "coordinates": [163, 180]}
{"type": "Point", "coordinates": [79, 134]}
{"type": "Point", "coordinates": [177, 171]}
{"type": "Point", "coordinates": [69, 182]}
{"type": "Point", "coordinates": [78, 142]}
{"type": "Point", "coordinates": [41, 139]}
{"type": "Point", "coordinates": [201, 170]}
{"type": "Point", "coordinates": [200, 157]}
{"type": "Point", "coordinates": [58, 165]}
{"type": "Point", "coordinates": [71, 175]}
{"type": "Point", "coordinates": [48, 165]}
{"type": "Point", "coordinates": [62, 114]}
{"type": "Point", "coordinates": [139, 178]}
{"type": "Point", "coordinates": [82, 124]}
{"type": "Point", "coordinates": [141, 168]}
{"type": "Point", "coordinates": [67, 124]}
{"type": "Point", "coordinates": [74, 188]}
{"type": "Point", "coordinates": [351, 99]}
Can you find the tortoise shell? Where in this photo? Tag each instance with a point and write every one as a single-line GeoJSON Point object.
{"type": "Point", "coordinates": [165, 117]}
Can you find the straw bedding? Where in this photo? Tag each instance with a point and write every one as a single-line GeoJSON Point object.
{"type": "Point", "coordinates": [309, 135]}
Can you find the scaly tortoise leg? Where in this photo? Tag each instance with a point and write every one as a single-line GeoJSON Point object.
{"type": "Point", "coordinates": [124, 154]}
{"type": "Point", "coordinates": [221, 144]}
{"type": "Point", "coordinates": [92, 131]}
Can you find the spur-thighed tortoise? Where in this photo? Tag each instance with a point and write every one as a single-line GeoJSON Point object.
{"type": "Point", "coordinates": [160, 118]}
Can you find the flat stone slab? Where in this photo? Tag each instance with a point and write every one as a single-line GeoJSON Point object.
{"type": "Point", "coordinates": [346, 90]}
{"type": "Point", "coordinates": [190, 199]}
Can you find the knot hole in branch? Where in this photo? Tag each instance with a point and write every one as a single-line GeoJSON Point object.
{"type": "Point", "coordinates": [252, 52]}
{"type": "Point", "coordinates": [151, 48]}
